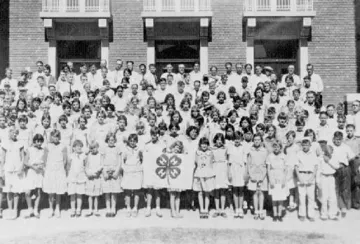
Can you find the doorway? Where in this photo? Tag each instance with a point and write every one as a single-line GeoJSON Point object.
{"type": "Point", "coordinates": [78, 52]}
{"type": "Point", "coordinates": [278, 54]}
{"type": "Point", "coordinates": [176, 52]}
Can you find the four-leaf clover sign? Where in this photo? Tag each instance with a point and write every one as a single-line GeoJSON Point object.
{"type": "Point", "coordinates": [168, 167]}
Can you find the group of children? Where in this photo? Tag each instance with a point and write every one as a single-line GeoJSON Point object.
{"type": "Point", "coordinates": [245, 148]}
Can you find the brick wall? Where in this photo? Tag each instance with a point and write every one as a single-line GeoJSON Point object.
{"type": "Point", "coordinates": [26, 35]}
{"type": "Point", "coordinates": [333, 48]}
{"type": "Point", "coordinates": [128, 43]}
{"type": "Point", "coordinates": [227, 31]}
{"type": "Point", "coordinates": [4, 36]}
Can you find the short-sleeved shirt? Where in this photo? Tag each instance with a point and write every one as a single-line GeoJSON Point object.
{"type": "Point", "coordinates": [307, 161]}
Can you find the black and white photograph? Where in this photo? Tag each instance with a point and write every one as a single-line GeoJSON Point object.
{"type": "Point", "coordinates": [179, 121]}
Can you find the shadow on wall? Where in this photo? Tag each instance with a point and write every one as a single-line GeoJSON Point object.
{"type": "Point", "coordinates": [4, 36]}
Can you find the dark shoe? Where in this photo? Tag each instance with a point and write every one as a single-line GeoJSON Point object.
{"type": "Point", "coordinates": [97, 214]}
{"type": "Point", "coordinates": [193, 208]}
{"type": "Point", "coordinates": [89, 215]}
{"type": "Point", "coordinates": [343, 214]}
{"type": "Point", "coordinates": [113, 215]}
{"type": "Point", "coordinates": [262, 216]}
{"type": "Point", "coordinates": [245, 211]}
{"type": "Point", "coordinates": [275, 219]}
{"type": "Point", "coordinates": [280, 219]}
{"type": "Point", "coordinates": [107, 215]}
{"type": "Point", "coordinates": [215, 215]}
{"type": "Point", "coordinates": [334, 219]}
{"type": "Point", "coordinates": [32, 215]}
{"type": "Point", "coordinates": [223, 214]}
{"type": "Point", "coordinates": [72, 215]}
{"type": "Point", "coordinates": [311, 219]}
{"type": "Point", "coordinates": [302, 219]}
{"type": "Point", "coordinates": [256, 217]}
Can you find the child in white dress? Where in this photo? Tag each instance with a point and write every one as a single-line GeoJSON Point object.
{"type": "Point", "coordinates": [221, 168]}
{"type": "Point", "coordinates": [291, 150]}
{"type": "Point", "coordinates": [93, 172]}
{"type": "Point", "coordinates": [35, 161]}
{"type": "Point", "coordinates": [82, 132]}
{"type": "Point", "coordinates": [76, 178]}
{"type": "Point", "coordinates": [155, 146]}
{"type": "Point", "coordinates": [204, 176]}
{"type": "Point", "coordinates": [111, 178]}
{"type": "Point", "coordinates": [277, 172]}
{"type": "Point", "coordinates": [237, 156]}
{"type": "Point", "coordinates": [131, 183]}
{"type": "Point", "coordinates": [54, 182]}
{"type": "Point", "coordinates": [13, 160]}
{"type": "Point", "coordinates": [25, 135]}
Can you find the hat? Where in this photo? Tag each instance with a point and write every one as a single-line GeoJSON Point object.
{"type": "Point", "coordinates": [281, 86]}
{"type": "Point", "coordinates": [6, 83]}
{"type": "Point", "coordinates": [66, 94]}
{"type": "Point", "coordinates": [306, 138]}
{"type": "Point", "coordinates": [268, 68]}
{"type": "Point", "coordinates": [22, 89]}
{"type": "Point", "coordinates": [51, 85]}
{"type": "Point", "coordinates": [28, 69]}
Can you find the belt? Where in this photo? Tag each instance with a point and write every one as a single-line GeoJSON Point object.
{"type": "Point", "coordinates": [327, 175]}
{"type": "Point", "coordinates": [305, 172]}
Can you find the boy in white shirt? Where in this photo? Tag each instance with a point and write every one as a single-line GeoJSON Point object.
{"type": "Point", "coordinates": [306, 169]}
{"type": "Point", "coordinates": [326, 183]}
{"type": "Point", "coordinates": [343, 174]}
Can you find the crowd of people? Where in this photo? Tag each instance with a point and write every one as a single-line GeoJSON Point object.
{"type": "Point", "coordinates": [257, 141]}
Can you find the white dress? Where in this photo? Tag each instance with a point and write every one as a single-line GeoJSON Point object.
{"type": "Point", "coordinates": [237, 158]}
{"type": "Point", "coordinates": [55, 175]}
{"type": "Point", "coordinates": [35, 179]}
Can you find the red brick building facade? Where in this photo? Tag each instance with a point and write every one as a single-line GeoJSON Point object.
{"type": "Point", "coordinates": [210, 31]}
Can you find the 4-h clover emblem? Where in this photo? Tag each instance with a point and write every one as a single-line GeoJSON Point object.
{"type": "Point", "coordinates": [168, 167]}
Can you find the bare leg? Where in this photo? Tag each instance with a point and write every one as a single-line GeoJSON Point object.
{"type": "Point", "coordinates": [79, 203]}
{"type": "Point", "coordinates": [72, 203]}
{"type": "Point", "coordinates": [10, 200]}
{"type": "Point", "coordinates": [107, 202]}
{"type": "Point", "coordinates": [149, 194]}
{"type": "Point", "coordinates": [37, 201]}
{"type": "Point", "coordinates": [241, 198]}
{"type": "Point", "coordinates": [275, 208]}
{"type": "Point", "coordinates": [201, 201]}
{"type": "Point", "coordinates": [236, 199]}
{"type": "Point", "coordinates": [16, 203]}
{"type": "Point", "coordinates": [261, 201]}
{"type": "Point", "coordinates": [136, 199]}
{"type": "Point", "coordinates": [157, 199]}
{"type": "Point", "coordinates": [90, 204]}
{"type": "Point", "coordinates": [51, 202]}
{"type": "Point", "coordinates": [177, 203]}
{"type": "Point", "coordinates": [223, 194]}
{"type": "Point", "coordinates": [280, 208]}
{"type": "Point", "coordinates": [217, 200]}
{"type": "Point", "coordinates": [172, 204]}
{"type": "Point", "coordinates": [207, 201]}
{"type": "Point", "coordinates": [29, 203]}
{"type": "Point", "coordinates": [96, 204]}
{"type": "Point", "coordinates": [113, 202]}
{"type": "Point", "coordinates": [58, 201]}
{"type": "Point", "coordinates": [256, 202]}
